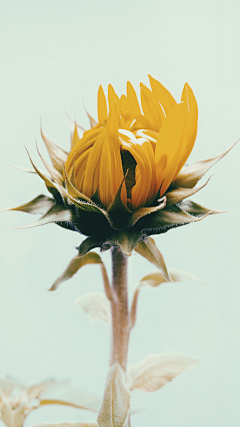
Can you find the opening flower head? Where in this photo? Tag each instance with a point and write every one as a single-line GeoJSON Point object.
{"type": "Point", "coordinates": [125, 179]}
{"type": "Point", "coordinates": [147, 145]}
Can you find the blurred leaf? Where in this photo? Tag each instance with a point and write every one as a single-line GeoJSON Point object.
{"type": "Point", "coordinates": [67, 394]}
{"type": "Point", "coordinates": [81, 424]}
{"type": "Point", "coordinates": [156, 370]}
{"type": "Point", "coordinates": [38, 205]}
{"type": "Point", "coordinates": [190, 175]}
{"type": "Point", "coordinates": [96, 305]}
{"type": "Point", "coordinates": [116, 401]}
{"type": "Point", "coordinates": [35, 390]}
{"type": "Point", "coordinates": [148, 249]}
{"type": "Point", "coordinates": [157, 278]}
{"type": "Point", "coordinates": [9, 384]}
{"type": "Point", "coordinates": [13, 418]}
{"type": "Point", "coordinates": [75, 265]}
{"type": "Point", "coordinates": [56, 214]}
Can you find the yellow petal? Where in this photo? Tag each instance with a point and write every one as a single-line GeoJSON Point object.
{"type": "Point", "coordinates": [116, 169]}
{"type": "Point", "coordinates": [104, 188]}
{"type": "Point", "coordinates": [168, 147]}
{"type": "Point", "coordinates": [92, 165]}
{"type": "Point", "coordinates": [102, 105]}
{"type": "Point", "coordinates": [151, 109]}
{"type": "Point", "coordinates": [191, 120]}
{"type": "Point", "coordinates": [133, 104]}
{"type": "Point", "coordinates": [75, 137]}
{"type": "Point", "coordinates": [112, 97]}
{"type": "Point", "coordinates": [162, 95]}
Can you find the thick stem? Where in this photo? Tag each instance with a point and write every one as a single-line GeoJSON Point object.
{"type": "Point", "coordinates": [119, 306]}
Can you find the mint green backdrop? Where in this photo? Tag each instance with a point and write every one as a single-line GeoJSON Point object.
{"type": "Point", "coordinates": [54, 55]}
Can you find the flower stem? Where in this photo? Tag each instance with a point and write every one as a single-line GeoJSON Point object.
{"type": "Point", "coordinates": [119, 307]}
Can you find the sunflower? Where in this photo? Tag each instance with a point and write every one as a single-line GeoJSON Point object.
{"type": "Point", "coordinates": [125, 178]}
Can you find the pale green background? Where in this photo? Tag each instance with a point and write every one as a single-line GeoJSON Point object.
{"type": "Point", "coordinates": [54, 55]}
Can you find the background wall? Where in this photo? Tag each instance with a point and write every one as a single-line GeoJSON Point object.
{"type": "Point", "coordinates": [54, 55]}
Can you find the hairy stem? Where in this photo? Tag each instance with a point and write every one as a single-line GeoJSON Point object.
{"type": "Point", "coordinates": [121, 323]}
{"type": "Point", "coordinates": [119, 307]}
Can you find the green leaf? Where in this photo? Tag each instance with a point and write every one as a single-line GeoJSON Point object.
{"type": "Point", "coordinates": [124, 240]}
{"type": "Point", "coordinates": [55, 214]}
{"type": "Point", "coordinates": [75, 265]}
{"type": "Point", "coordinates": [57, 155]}
{"type": "Point", "coordinates": [116, 401]}
{"type": "Point", "coordinates": [190, 175]}
{"type": "Point", "coordinates": [148, 249]}
{"type": "Point", "coordinates": [38, 205]}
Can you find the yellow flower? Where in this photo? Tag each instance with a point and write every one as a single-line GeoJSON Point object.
{"type": "Point", "coordinates": [149, 146]}
{"type": "Point", "coordinates": [125, 178]}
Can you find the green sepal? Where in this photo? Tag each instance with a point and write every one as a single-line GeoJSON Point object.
{"type": "Point", "coordinates": [88, 244]}
{"type": "Point", "coordinates": [164, 220]}
{"type": "Point", "coordinates": [51, 186]}
{"type": "Point", "coordinates": [179, 194]}
{"type": "Point", "coordinates": [196, 210]}
{"type": "Point", "coordinates": [190, 175]}
{"type": "Point", "coordinates": [124, 240]}
{"type": "Point", "coordinates": [57, 155]}
{"type": "Point", "coordinates": [56, 214]}
{"type": "Point", "coordinates": [118, 211]}
{"type": "Point", "coordinates": [75, 265]}
{"type": "Point", "coordinates": [39, 205]}
{"type": "Point", "coordinates": [143, 212]}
